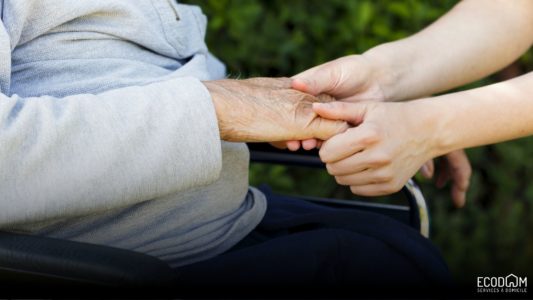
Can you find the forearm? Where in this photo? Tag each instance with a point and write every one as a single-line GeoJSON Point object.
{"type": "Point", "coordinates": [482, 116]}
{"type": "Point", "coordinates": [267, 110]}
{"type": "Point", "coordinates": [88, 153]}
{"type": "Point", "coordinates": [473, 40]}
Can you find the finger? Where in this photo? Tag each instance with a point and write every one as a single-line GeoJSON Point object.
{"type": "Point", "coordinates": [351, 112]}
{"type": "Point", "coordinates": [317, 80]}
{"type": "Point", "coordinates": [428, 169]}
{"type": "Point", "coordinates": [365, 177]}
{"type": "Point", "coordinates": [460, 172]}
{"type": "Point", "coordinates": [279, 145]}
{"type": "Point", "coordinates": [293, 145]}
{"type": "Point", "coordinates": [324, 129]}
{"type": "Point", "coordinates": [300, 85]}
{"type": "Point", "coordinates": [309, 144]}
{"type": "Point", "coordinates": [371, 190]}
{"type": "Point", "coordinates": [355, 164]}
{"type": "Point", "coordinates": [346, 144]}
{"type": "Point", "coordinates": [276, 83]}
{"type": "Point", "coordinates": [458, 196]}
{"type": "Point", "coordinates": [319, 144]}
{"type": "Point", "coordinates": [325, 98]}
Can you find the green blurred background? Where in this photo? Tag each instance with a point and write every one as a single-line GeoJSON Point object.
{"type": "Point", "coordinates": [493, 234]}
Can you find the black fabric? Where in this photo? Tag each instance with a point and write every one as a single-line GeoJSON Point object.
{"type": "Point", "coordinates": [302, 244]}
{"type": "Point", "coordinates": [42, 261]}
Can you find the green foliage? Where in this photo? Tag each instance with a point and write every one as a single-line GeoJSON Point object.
{"type": "Point", "coordinates": [278, 37]}
{"type": "Point", "coordinates": [492, 234]}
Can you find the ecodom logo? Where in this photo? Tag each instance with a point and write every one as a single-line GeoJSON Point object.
{"type": "Point", "coordinates": [508, 284]}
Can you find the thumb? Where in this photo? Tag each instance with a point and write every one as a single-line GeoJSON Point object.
{"type": "Point", "coordinates": [317, 80]}
{"type": "Point", "coordinates": [324, 129]}
{"type": "Point", "coordinates": [353, 113]}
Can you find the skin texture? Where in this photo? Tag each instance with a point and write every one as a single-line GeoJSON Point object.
{"type": "Point", "coordinates": [473, 40]}
{"type": "Point", "coordinates": [268, 110]}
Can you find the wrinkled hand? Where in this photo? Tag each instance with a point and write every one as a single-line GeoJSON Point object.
{"type": "Point", "coordinates": [267, 110]}
{"type": "Point", "coordinates": [390, 143]}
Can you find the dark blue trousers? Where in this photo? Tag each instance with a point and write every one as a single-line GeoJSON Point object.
{"type": "Point", "coordinates": [302, 244]}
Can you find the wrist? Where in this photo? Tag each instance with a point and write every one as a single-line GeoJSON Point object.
{"type": "Point", "coordinates": [389, 71]}
{"type": "Point", "coordinates": [220, 104]}
{"type": "Point", "coordinates": [437, 124]}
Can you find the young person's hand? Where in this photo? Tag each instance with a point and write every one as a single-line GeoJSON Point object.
{"type": "Point", "coordinates": [357, 78]}
{"type": "Point", "coordinates": [389, 143]}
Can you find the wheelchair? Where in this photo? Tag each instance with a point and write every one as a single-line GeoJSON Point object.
{"type": "Point", "coordinates": [29, 261]}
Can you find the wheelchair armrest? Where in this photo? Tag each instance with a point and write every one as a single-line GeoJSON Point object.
{"type": "Point", "coordinates": [42, 260]}
{"type": "Point", "coordinates": [265, 153]}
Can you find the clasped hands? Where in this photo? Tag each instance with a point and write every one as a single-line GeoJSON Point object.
{"type": "Point", "coordinates": [268, 110]}
{"type": "Point", "coordinates": [371, 145]}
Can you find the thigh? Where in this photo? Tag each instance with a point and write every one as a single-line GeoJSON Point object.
{"type": "Point", "coordinates": [299, 242]}
{"type": "Point", "coordinates": [318, 256]}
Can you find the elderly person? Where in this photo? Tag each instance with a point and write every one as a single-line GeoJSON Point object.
{"type": "Point", "coordinates": [117, 129]}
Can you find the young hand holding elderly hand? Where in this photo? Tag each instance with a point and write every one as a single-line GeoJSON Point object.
{"type": "Point", "coordinates": [473, 40]}
{"type": "Point", "coordinates": [343, 156]}
{"type": "Point", "coordinates": [389, 142]}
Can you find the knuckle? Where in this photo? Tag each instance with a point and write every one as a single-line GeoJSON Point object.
{"type": "Point", "coordinates": [373, 134]}
{"type": "Point", "coordinates": [397, 185]}
{"type": "Point", "coordinates": [369, 138]}
{"type": "Point", "coordinates": [382, 159]}
{"type": "Point", "coordinates": [385, 177]}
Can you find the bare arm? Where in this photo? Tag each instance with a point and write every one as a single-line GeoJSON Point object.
{"type": "Point", "coordinates": [475, 39]}
{"type": "Point", "coordinates": [482, 116]}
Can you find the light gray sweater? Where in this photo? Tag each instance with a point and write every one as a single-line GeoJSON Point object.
{"type": "Point", "coordinates": [107, 134]}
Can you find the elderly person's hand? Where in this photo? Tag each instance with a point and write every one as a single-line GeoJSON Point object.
{"type": "Point", "coordinates": [267, 110]}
